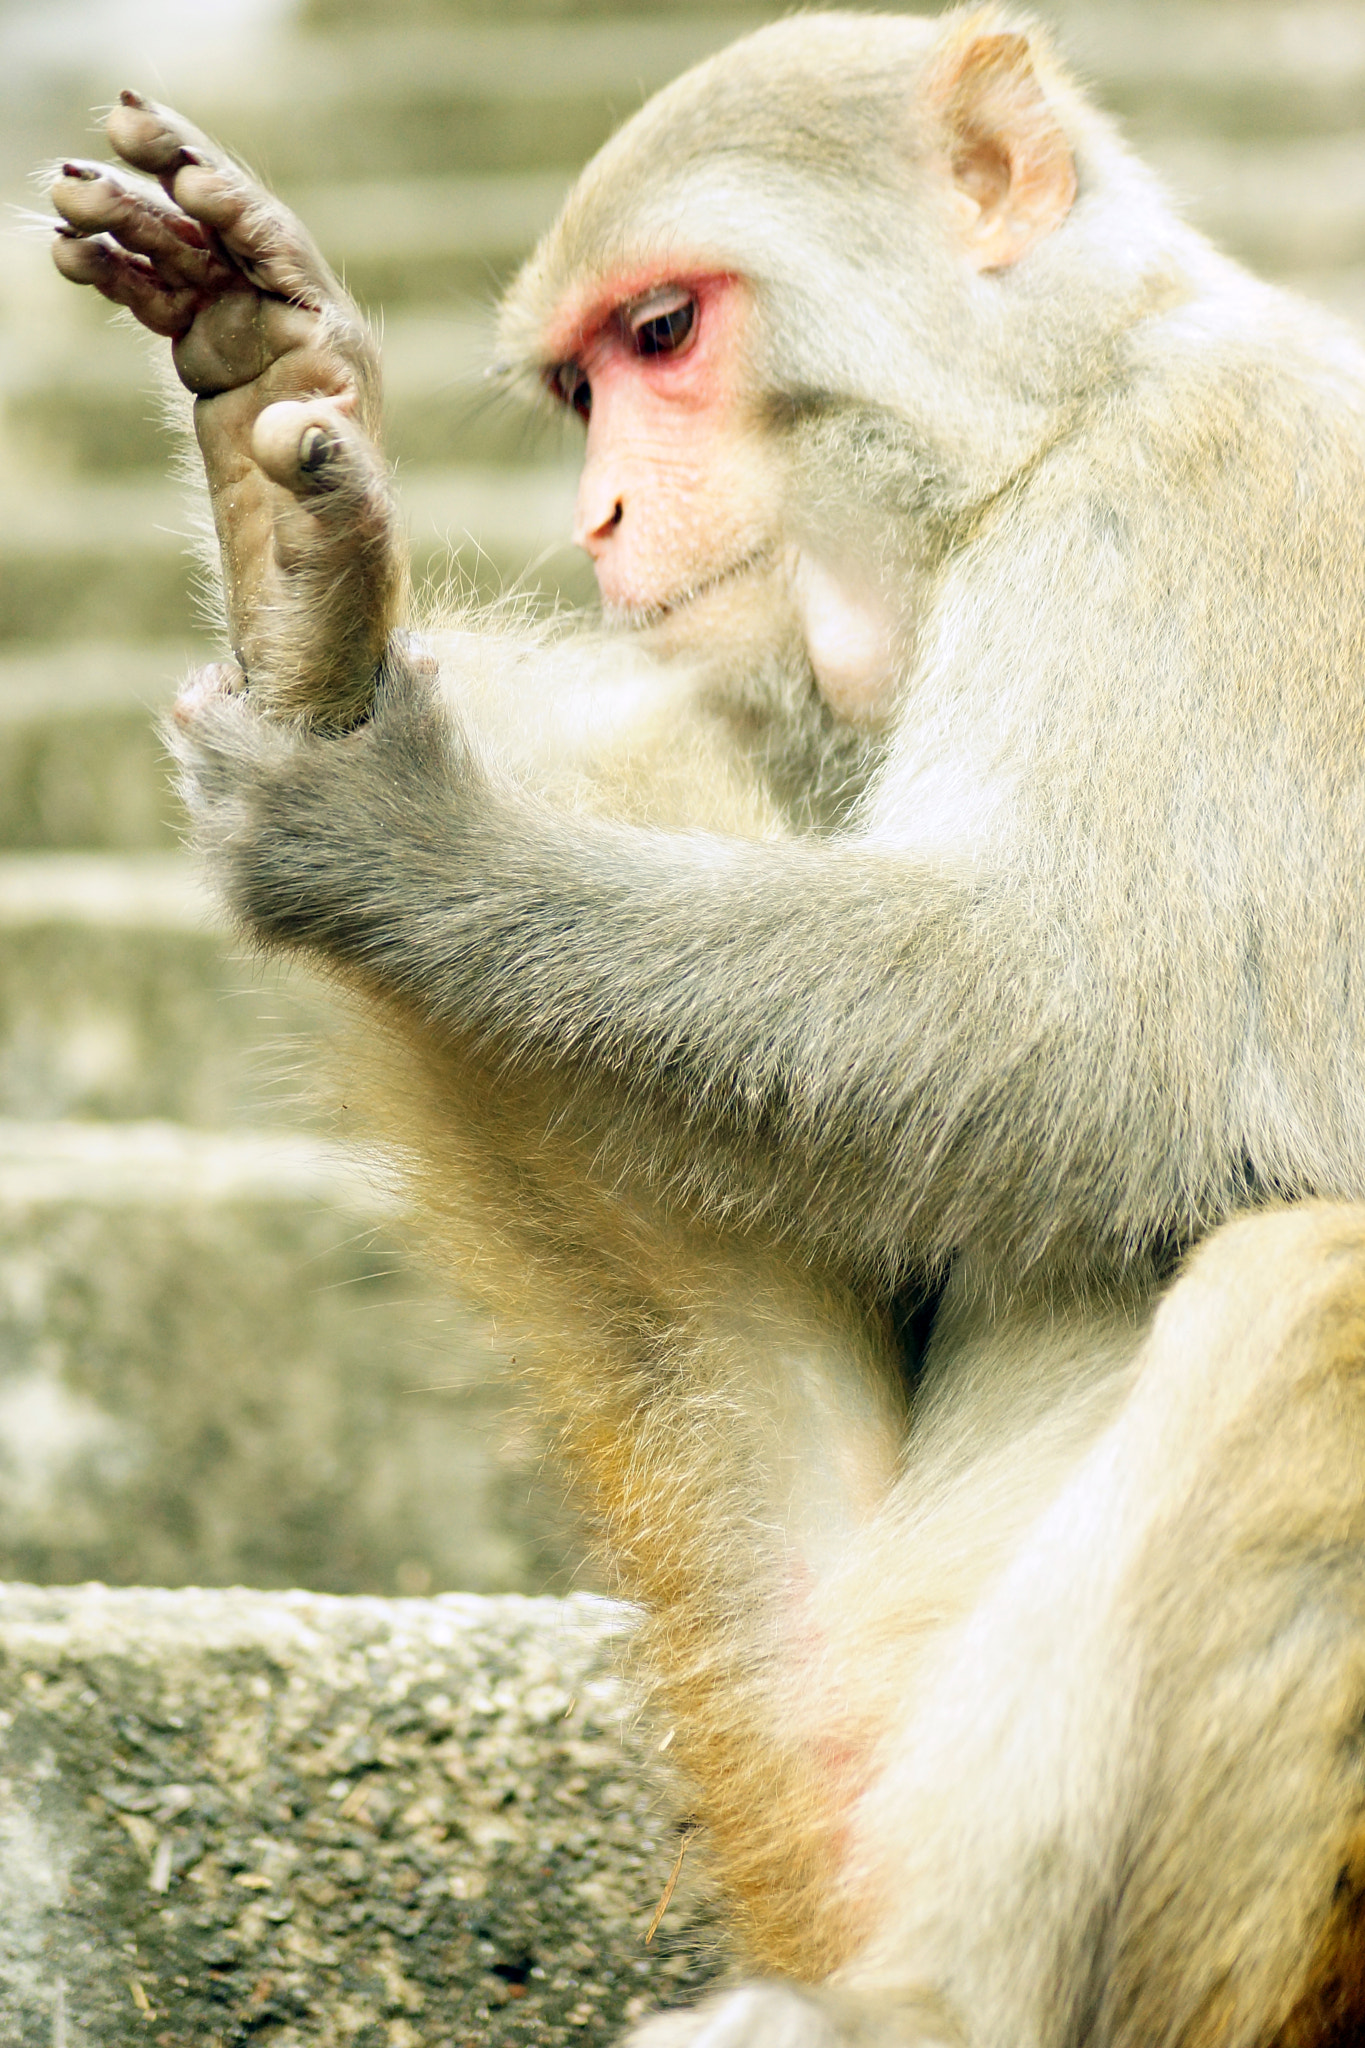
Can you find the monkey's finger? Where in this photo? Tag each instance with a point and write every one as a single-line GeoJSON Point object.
{"type": "Point", "coordinates": [214, 732]}
{"type": "Point", "coordinates": [203, 687]}
{"type": "Point", "coordinates": [156, 139]}
{"type": "Point", "coordinates": [337, 529]}
{"type": "Point", "coordinates": [311, 446]}
{"type": "Point", "coordinates": [99, 199]}
{"type": "Point", "coordinates": [263, 238]}
{"type": "Point", "coordinates": [125, 280]}
{"type": "Point", "coordinates": [205, 734]}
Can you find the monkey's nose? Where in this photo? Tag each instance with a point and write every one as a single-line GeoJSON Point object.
{"type": "Point", "coordinates": [597, 515]}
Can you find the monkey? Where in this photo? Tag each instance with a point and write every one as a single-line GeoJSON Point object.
{"type": "Point", "coordinates": [879, 1009]}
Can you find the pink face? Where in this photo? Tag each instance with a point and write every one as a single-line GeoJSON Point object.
{"type": "Point", "coordinates": [674, 496]}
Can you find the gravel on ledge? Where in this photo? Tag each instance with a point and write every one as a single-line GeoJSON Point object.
{"type": "Point", "coordinates": [232, 1817]}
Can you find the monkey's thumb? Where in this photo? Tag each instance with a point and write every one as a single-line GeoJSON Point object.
{"type": "Point", "coordinates": [305, 444]}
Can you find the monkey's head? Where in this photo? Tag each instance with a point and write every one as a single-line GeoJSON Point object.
{"type": "Point", "coordinates": [852, 264]}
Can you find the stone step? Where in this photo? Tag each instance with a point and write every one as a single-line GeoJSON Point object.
{"type": "Point", "coordinates": [217, 1366]}
{"type": "Point", "coordinates": [107, 558]}
{"type": "Point", "coordinates": [1250, 69]}
{"type": "Point", "coordinates": [1257, 67]}
{"type": "Point", "coordinates": [486, 96]}
{"type": "Point", "coordinates": [113, 557]}
{"type": "Point", "coordinates": [120, 998]}
{"type": "Point", "coordinates": [495, 94]}
{"type": "Point", "coordinates": [1288, 208]}
{"type": "Point", "coordinates": [81, 765]}
{"type": "Point", "coordinates": [232, 1817]}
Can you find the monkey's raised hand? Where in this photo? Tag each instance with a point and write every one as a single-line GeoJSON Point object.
{"type": "Point", "coordinates": [286, 382]}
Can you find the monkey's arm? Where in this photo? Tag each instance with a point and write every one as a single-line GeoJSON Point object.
{"type": "Point", "coordinates": [285, 377]}
{"type": "Point", "coordinates": [863, 1052]}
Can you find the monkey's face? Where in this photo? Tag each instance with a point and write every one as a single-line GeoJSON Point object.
{"type": "Point", "coordinates": [678, 487]}
{"type": "Point", "coordinates": [684, 499]}
{"type": "Point", "coordinates": [714, 289]}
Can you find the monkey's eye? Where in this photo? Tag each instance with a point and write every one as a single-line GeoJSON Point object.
{"type": "Point", "coordinates": [663, 324]}
{"type": "Point", "coordinates": [572, 388]}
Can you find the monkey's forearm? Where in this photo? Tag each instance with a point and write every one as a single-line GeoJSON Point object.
{"type": "Point", "coordinates": [790, 1032]}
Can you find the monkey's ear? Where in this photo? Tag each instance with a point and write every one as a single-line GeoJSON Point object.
{"type": "Point", "coordinates": [1010, 166]}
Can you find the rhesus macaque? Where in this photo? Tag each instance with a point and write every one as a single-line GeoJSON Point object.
{"type": "Point", "coordinates": [882, 1012]}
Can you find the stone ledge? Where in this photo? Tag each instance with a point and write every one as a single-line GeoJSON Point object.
{"type": "Point", "coordinates": [217, 1364]}
{"type": "Point", "coordinates": [241, 1816]}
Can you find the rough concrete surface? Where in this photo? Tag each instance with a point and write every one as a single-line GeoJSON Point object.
{"type": "Point", "coordinates": [217, 1367]}
{"type": "Point", "coordinates": [239, 1817]}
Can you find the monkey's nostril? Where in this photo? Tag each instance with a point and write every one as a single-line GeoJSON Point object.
{"type": "Point", "coordinates": [618, 513]}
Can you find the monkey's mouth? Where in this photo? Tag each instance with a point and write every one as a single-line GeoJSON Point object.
{"type": "Point", "coordinates": [636, 618]}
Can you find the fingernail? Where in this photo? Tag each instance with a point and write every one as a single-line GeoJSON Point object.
{"type": "Point", "coordinates": [85, 172]}
{"type": "Point", "coordinates": [129, 98]}
{"type": "Point", "coordinates": [316, 449]}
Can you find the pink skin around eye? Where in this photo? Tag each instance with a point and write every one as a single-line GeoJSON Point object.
{"type": "Point", "coordinates": [667, 497]}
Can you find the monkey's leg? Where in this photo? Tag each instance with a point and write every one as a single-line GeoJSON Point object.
{"type": "Point", "coordinates": [1127, 1806]}
{"type": "Point", "coordinates": [730, 1426]}
{"type": "Point", "coordinates": [1127, 1802]}
{"type": "Point", "coordinates": [286, 383]}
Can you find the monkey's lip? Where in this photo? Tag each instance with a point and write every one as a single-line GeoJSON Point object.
{"type": "Point", "coordinates": [640, 614]}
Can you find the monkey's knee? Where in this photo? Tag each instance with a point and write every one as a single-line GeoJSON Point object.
{"type": "Point", "coordinates": [1252, 1405]}
{"type": "Point", "coordinates": [1270, 1307]}
{"type": "Point", "coordinates": [1247, 1426]}
{"type": "Point", "coordinates": [1244, 1611]}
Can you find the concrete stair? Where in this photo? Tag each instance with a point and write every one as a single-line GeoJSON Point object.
{"type": "Point", "coordinates": [245, 1817]}
{"type": "Point", "coordinates": [218, 1371]}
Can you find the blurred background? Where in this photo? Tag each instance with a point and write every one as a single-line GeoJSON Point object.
{"type": "Point", "coordinates": [216, 1363]}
